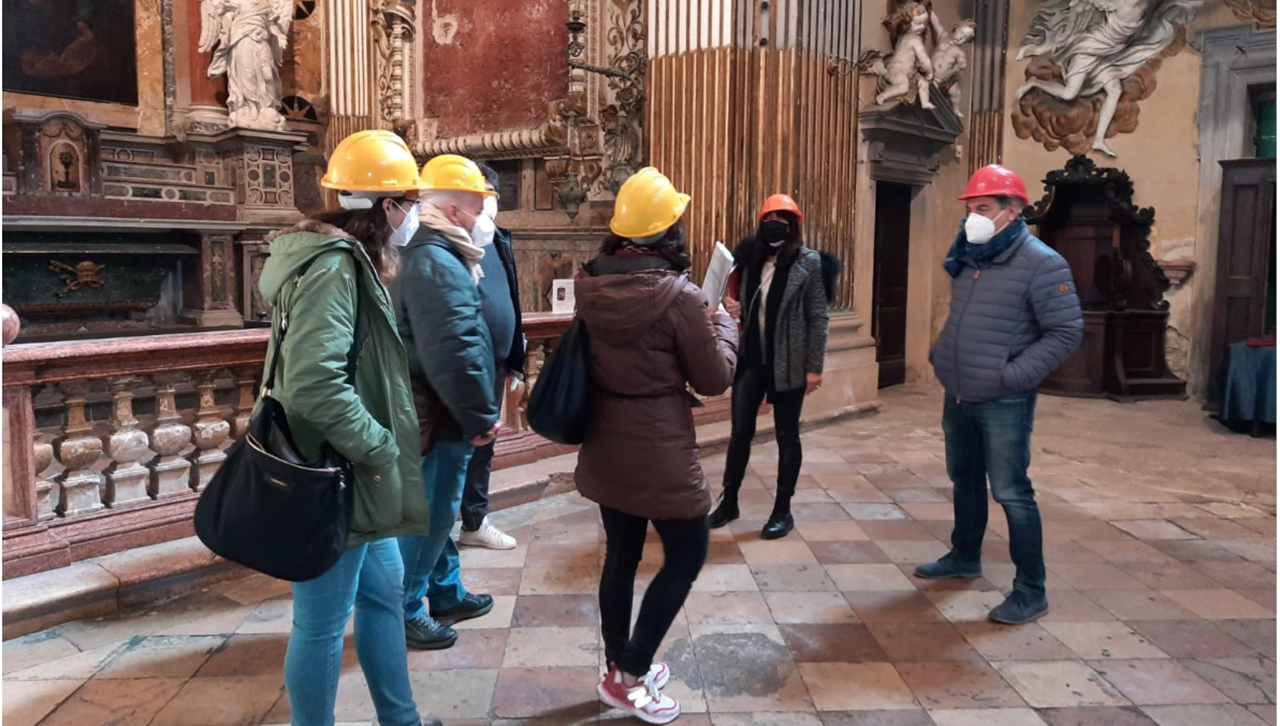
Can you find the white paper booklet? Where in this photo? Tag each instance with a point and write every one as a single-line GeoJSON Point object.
{"type": "Point", "coordinates": [717, 279]}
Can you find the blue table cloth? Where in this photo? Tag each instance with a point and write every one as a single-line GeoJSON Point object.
{"type": "Point", "coordinates": [1250, 391]}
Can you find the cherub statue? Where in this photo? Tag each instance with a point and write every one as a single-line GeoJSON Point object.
{"type": "Point", "coordinates": [248, 38]}
{"type": "Point", "coordinates": [948, 61]}
{"type": "Point", "coordinates": [909, 58]}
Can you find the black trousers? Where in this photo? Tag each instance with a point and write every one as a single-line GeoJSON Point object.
{"type": "Point", "coordinates": [749, 392]}
{"type": "Point", "coordinates": [684, 548]}
{"type": "Point", "coordinates": [475, 491]}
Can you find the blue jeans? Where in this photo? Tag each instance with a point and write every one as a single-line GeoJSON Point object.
{"type": "Point", "coordinates": [992, 441]}
{"type": "Point", "coordinates": [367, 579]}
{"type": "Point", "coordinates": [431, 566]}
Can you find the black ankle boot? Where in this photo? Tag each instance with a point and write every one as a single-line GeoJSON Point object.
{"type": "Point", "coordinates": [726, 511]}
{"type": "Point", "coordinates": [780, 521]}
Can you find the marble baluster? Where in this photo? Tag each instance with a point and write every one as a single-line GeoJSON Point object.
{"type": "Point", "coordinates": [78, 450]}
{"type": "Point", "coordinates": [46, 501]}
{"type": "Point", "coordinates": [170, 471]}
{"type": "Point", "coordinates": [127, 478]}
{"type": "Point", "coordinates": [210, 431]}
{"type": "Point", "coordinates": [536, 358]}
{"type": "Point", "coordinates": [246, 380]}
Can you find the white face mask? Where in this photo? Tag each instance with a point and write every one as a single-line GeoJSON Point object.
{"type": "Point", "coordinates": [401, 235]}
{"type": "Point", "coordinates": [482, 231]}
{"type": "Point", "coordinates": [978, 229]}
{"type": "Point", "coordinates": [491, 207]}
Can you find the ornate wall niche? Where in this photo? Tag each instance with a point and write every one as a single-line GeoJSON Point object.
{"type": "Point", "coordinates": [56, 152]}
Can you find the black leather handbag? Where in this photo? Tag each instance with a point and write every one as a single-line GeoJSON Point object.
{"type": "Point", "coordinates": [269, 509]}
{"type": "Point", "coordinates": [560, 404]}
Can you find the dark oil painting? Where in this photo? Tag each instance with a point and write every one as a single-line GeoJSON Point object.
{"type": "Point", "coordinates": [83, 49]}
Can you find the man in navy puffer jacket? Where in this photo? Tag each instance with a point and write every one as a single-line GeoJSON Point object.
{"type": "Point", "coordinates": [1014, 319]}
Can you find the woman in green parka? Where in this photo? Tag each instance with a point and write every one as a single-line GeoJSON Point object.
{"type": "Point", "coordinates": [328, 274]}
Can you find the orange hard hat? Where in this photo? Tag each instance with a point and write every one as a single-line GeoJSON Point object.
{"type": "Point", "coordinates": [781, 203]}
{"type": "Point", "coordinates": [995, 181]}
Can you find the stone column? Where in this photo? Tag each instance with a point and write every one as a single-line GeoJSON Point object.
{"type": "Point", "coordinates": [78, 450]}
{"type": "Point", "coordinates": [126, 445]}
{"type": "Point", "coordinates": [207, 115]}
{"type": "Point", "coordinates": [169, 436]}
{"type": "Point", "coordinates": [210, 431]}
{"type": "Point", "coordinates": [209, 289]}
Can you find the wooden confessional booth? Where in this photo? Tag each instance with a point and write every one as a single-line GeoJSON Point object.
{"type": "Point", "coordinates": [1089, 217]}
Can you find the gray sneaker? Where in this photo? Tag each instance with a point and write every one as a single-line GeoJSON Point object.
{"type": "Point", "coordinates": [425, 633]}
{"type": "Point", "coordinates": [1019, 608]}
{"type": "Point", "coordinates": [949, 566]}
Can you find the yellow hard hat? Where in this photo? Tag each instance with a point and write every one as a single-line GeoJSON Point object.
{"type": "Point", "coordinates": [372, 161]}
{"type": "Point", "coordinates": [453, 173]}
{"type": "Point", "coordinates": [647, 204]}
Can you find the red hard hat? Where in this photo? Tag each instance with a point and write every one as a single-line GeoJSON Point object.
{"type": "Point", "coordinates": [781, 203]}
{"type": "Point", "coordinates": [995, 181]}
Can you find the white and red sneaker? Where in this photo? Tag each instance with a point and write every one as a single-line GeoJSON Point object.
{"type": "Point", "coordinates": [659, 673]}
{"type": "Point", "coordinates": [645, 700]}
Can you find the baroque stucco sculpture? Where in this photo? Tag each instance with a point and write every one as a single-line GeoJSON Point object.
{"type": "Point", "coordinates": [909, 67]}
{"type": "Point", "coordinates": [248, 38]}
{"type": "Point", "coordinates": [1094, 59]}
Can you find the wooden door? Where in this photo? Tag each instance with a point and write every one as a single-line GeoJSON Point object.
{"type": "Point", "coordinates": [889, 295]}
{"type": "Point", "coordinates": [1246, 233]}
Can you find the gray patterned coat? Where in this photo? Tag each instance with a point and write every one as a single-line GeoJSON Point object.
{"type": "Point", "coordinates": [800, 330]}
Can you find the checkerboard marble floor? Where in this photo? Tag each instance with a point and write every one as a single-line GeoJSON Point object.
{"type": "Point", "coordinates": [1160, 543]}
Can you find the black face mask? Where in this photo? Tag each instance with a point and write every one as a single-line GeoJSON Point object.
{"type": "Point", "coordinates": [774, 232]}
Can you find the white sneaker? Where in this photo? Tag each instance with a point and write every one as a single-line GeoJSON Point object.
{"type": "Point", "coordinates": [487, 536]}
{"type": "Point", "coordinates": [644, 700]}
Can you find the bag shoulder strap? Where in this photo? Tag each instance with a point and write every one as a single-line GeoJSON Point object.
{"type": "Point", "coordinates": [352, 355]}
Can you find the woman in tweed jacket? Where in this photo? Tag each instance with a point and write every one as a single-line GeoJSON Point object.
{"type": "Point", "coordinates": [779, 291]}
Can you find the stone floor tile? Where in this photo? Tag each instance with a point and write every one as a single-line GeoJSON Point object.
{"type": "Point", "coordinates": [1202, 716]}
{"type": "Point", "coordinates": [1108, 640]}
{"type": "Point", "coordinates": [500, 617]}
{"type": "Point", "coordinates": [1239, 575]}
{"type": "Point", "coordinates": [725, 578]}
{"type": "Point", "coordinates": [560, 581]}
{"type": "Point", "coordinates": [856, 686]}
{"type": "Point", "coordinates": [877, 577]}
{"type": "Point", "coordinates": [1254, 550]}
{"type": "Point", "coordinates": [819, 512]}
{"type": "Point", "coordinates": [958, 685]}
{"type": "Point", "coordinates": [551, 647]}
{"type": "Point", "coordinates": [926, 511]}
{"type": "Point", "coordinates": [913, 717]}
{"type": "Point", "coordinates": [1158, 682]}
{"type": "Point", "coordinates": [1257, 634]}
{"type": "Point", "coordinates": [481, 557]}
{"type": "Point", "coordinates": [995, 641]}
{"type": "Point", "coordinates": [454, 694]}
{"type": "Point", "coordinates": [559, 695]}
{"type": "Point", "coordinates": [1215, 528]}
{"type": "Point", "coordinates": [761, 719]}
{"type": "Point", "coordinates": [1153, 529]}
{"type": "Point", "coordinates": [1220, 604]}
{"type": "Point", "coordinates": [222, 701]}
{"type": "Point", "coordinates": [162, 657]}
{"type": "Point", "coordinates": [1097, 577]}
{"type": "Point", "coordinates": [1196, 551]}
{"type": "Point", "coordinates": [922, 495]}
{"type": "Point", "coordinates": [556, 611]}
{"type": "Point", "coordinates": [1170, 576]}
{"type": "Point", "coordinates": [828, 643]}
{"type": "Point", "coordinates": [1139, 605]}
{"type": "Point", "coordinates": [922, 642]}
{"type": "Point", "coordinates": [1190, 639]}
{"type": "Point", "coordinates": [911, 552]}
{"type": "Point", "coordinates": [1266, 597]}
{"type": "Point", "coordinates": [857, 493]}
{"type": "Point", "coordinates": [986, 717]}
{"type": "Point", "coordinates": [271, 616]}
{"type": "Point", "coordinates": [793, 578]}
{"type": "Point", "coordinates": [777, 552]}
{"type": "Point", "coordinates": [965, 606]}
{"type": "Point", "coordinates": [1243, 680]}
{"type": "Point", "coordinates": [873, 511]}
{"type": "Point", "coordinates": [1265, 526]}
{"type": "Point", "coordinates": [726, 608]}
{"type": "Point", "coordinates": [34, 649]}
{"type": "Point", "coordinates": [724, 553]}
{"type": "Point", "coordinates": [27, 702]}
{"type": "Point", "coordinates": [893, 606]}
{"type": "Point", "coordinates": [1266, 713]}
{"type": "Point", "coordinates": [980, 584]}
{"type": "Point", "coordinates": [563, 533]}
{"type": "Point", "coordinates": [574, 554]}
{"type": "Point", "coordinates": [1116, 716]}
{"type": "Point", "coordinates": [113, 702]}
{"type": "Point", "coordinates": [845, 530]}
{"type": "Point", "coordinates": [474, 649]}
{"type": "Point", "coordinates": [810, 607]}
{"type": "Point", "coordinates": [747, 668]}
{"type": "Point", "coordinates": [494, 580]}
{"type": "Point", "coordinates": [1072, 606]}
{"type": "Point", "coordinates": [889, 530]}
{"type": "Point", "coordinates": [253, 589]}
{"type": "Point", "coordinates": [848, 553]}
{"type": "Point", "coordinates": [247, 655]}
{"type": "Point", "coordinates": [1119, 552]}
{"type": "Point", "coordinates": [1059, 684]}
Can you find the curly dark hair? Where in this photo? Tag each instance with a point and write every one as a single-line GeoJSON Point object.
{"type": "Point", "coordinates": [671, 247]}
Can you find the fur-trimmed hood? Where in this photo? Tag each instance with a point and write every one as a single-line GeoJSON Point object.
{"type": "Point", "coordinates": [293, 247]}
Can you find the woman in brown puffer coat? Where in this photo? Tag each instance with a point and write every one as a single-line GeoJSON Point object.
{"type": "Point", "coordinates": [651, 336]}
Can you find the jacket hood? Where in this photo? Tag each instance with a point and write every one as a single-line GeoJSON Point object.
{"type": "Point", "coordinates": [293, 247]}
{"type": "Point", "coordinates": [623, 306]}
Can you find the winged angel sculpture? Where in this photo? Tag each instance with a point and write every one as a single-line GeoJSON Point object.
{"type": "Point", "coordinates": [248, 38]}
{"type": "Point", "coordinates": [1095, 45]}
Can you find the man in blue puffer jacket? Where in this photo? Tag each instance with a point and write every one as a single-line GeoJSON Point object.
{"type": "Point", "coordinates": [1014, 319]}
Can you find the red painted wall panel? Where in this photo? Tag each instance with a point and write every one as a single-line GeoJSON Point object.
{"type": "Point", "coordinates": [493, 65]}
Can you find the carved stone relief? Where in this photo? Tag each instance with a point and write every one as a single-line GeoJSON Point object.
{"type": "Point", "coordinates": [1261, 13]}
{"type": "Point", "coordinates": [1093, 62]}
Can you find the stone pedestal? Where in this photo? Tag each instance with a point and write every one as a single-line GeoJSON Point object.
{"type": "Point", "coordinates": [209, 289]}
{"type": "Point", "coordinates": [850, 376]}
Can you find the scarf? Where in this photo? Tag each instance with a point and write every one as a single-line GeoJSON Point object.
{"type": "Point", "coordinates": [979, 255]}
{"type": "Point", "coordinates": [458, 238]}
